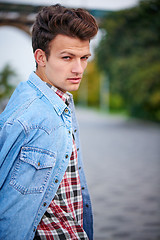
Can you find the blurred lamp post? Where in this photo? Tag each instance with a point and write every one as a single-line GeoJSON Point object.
{"type": "Point", "coordinates": [104, 92]}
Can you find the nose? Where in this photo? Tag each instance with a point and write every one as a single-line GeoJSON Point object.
{"type": "Point", "coordinates": [77, 67]}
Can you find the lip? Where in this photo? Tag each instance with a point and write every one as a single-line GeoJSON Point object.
{"type": "Point", "coordinates": [74, 80]}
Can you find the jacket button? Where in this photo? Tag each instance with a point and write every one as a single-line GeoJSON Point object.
{"type": "Point", "coordinates": [75, 130]}
{"type": "Point", "coordinates": [66, 156]}
{"type": "Point", "coordinates": [87, 205]}
{"type": "Point", "coordinates": [44, 204]}
{"type": "Point", "coordinates": [77, 149]}
{"type": "Point", "coordinates": [66, 110]}
{"type": "Point", "coordinates": [82, 188]}
{"type": "Point", "coordinates": [79, 168]}
{"type": "Point", "coordinates": [38, 163]}
{"type": "Point", "coordinates": [56, 181]}
{"type": "Point", "coordinates": [69, 132]}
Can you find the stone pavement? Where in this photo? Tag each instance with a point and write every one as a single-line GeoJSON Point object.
{"type": "Point", "coordinates": [122, 165]}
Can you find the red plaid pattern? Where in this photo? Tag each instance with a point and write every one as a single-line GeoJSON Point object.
{"type": "Point", "coordinates": [64, 216]}
{"type": "Point", "coordinates": [64, 96]}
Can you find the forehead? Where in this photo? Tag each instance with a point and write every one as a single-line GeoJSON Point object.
{"type": "Point", "coordinates": [61, 44]}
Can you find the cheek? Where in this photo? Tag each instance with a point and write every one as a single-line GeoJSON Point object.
{"type": "Point", "coordinates": [85, 65]}
{"type": "Point", "coordinates": [54, 69]}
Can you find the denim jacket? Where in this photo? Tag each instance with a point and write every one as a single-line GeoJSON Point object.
{"type": "Point", "coordinates": [35, 148]}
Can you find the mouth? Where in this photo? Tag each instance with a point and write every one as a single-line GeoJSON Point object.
{"type": "Point", "coordinates": [74, 80]}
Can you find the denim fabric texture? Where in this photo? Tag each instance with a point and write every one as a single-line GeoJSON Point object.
{"type": "Point", "coordinates": [35, 148]}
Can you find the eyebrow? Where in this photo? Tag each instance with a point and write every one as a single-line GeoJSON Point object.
{"type": "Point", "coordinates": [85, 55]}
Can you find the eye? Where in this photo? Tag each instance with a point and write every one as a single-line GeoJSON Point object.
{"type": "Point", "coordinates": [66, 57]}
{"type": "Point", "coordinates": [85, 58]}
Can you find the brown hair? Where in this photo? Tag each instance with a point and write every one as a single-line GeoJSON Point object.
{"type": "Point", "coordinates": [56, 19]}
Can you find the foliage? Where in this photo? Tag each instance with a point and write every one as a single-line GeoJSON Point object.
{"type": "Point", "coordinates": [6, 87]}
{"type": "Point", "coordinates": [116, 102]}
{"type": "Point", "coordinates": [130, 54]}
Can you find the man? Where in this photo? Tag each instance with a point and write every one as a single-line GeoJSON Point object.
{"type": "Point", "coordinates": [43, 188]}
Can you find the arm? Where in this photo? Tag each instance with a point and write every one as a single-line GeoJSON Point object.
{"type": "Point", "coordinates": [12, 137]}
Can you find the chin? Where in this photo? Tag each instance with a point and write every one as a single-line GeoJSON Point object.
{"type": "Point", "coordinates": [74, 88]}
{"type": "Point", "coordinates": [71, 88]}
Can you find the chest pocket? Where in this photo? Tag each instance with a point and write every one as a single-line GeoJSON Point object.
{"type": "Point", "coordinates": [32, 170]}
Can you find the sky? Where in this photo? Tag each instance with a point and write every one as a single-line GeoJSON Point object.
{"type": "Point", "coordinates": [98, 4]}
{"type": "Point", "coordinates": [15, 45]}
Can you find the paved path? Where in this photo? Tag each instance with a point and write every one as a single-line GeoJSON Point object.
{"type": "Point", "coordinates": [122, 162]}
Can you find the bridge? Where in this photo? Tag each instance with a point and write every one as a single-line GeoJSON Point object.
{"type": "Point", "coordinates": [23, 16]}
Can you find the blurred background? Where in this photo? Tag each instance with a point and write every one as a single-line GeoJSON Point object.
{"type": "Point", "coordinates": [118, 107]}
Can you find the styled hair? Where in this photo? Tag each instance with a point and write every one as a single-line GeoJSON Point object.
{"type": "Point", "coordinates": [57, 19]}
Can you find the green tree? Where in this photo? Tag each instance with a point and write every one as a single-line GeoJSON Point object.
{"type": "Point", "coordinates": [130, 54]}
{"type": "Point", "coordinates": [6, 88]}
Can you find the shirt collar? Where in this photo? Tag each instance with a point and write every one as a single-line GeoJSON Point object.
{"type": "Point", "coordinates": [42, 89]}
{"type": "Point", "coordinates": [64, 96]}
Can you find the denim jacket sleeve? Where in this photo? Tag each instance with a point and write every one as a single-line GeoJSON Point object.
{"type": "Point", "coordinates": [12, 136]}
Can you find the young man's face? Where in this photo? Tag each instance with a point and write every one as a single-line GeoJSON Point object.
{"type": "Point", "coordinates": [66, 63]}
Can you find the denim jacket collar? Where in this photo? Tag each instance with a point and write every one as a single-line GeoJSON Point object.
{"type": "Point", "coordinates": [55, 100]}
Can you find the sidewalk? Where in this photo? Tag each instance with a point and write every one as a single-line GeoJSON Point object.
{"type": "Point", "coordinates": [122, 163]}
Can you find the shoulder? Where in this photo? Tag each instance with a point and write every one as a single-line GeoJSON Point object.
{"type": "Point", "coordinates": [39, 115]}
{"type": "Point", "coordinates": [33, 107]}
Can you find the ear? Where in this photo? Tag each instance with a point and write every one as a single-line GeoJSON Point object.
{"type": "Point", "coordinates": [40, 57]}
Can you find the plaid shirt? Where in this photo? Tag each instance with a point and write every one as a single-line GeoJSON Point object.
{"type": "Point", "coordinates": [64, 216]}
